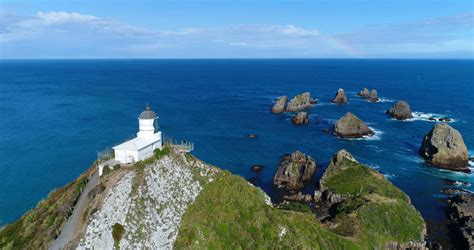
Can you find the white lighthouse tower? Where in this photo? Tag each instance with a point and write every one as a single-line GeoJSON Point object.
{"type": "Point", "coordinates": [148, 139]}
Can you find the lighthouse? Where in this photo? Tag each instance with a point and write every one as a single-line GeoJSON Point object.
{"type": "Point", "coordinates": [148, 139]}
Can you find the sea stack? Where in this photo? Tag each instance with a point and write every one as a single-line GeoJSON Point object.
{"type": "Point", "coordinates": [444, 147]}
{"type": "Point", "coordinates": [363, 93]}
{"type": "Point", "coordinates": [350, 126]}
{"type": "Point", "coordinates": [373, 97]}
{"type": "Point", "coordinates": [299, 102]}
{"type": "Point", "coordinates": [293, 170]}
{"type": "Point", "coordinates": [340, 97]}
{"type": "Point", "coordinates": [400, 111]}
{"type": "Point", "coordinates": [280, 104]}
{"type": "Point", "coordinates": [300, 119]}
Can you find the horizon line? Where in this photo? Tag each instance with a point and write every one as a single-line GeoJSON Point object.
{"type": "Point", "coordinates": [248, 58]}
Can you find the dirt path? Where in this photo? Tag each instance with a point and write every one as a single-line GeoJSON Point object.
{"type": "Point", "coordinates": [68, 230]}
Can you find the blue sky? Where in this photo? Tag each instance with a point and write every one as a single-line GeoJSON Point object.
{"type": "Point", "coordinates": [237, 29]}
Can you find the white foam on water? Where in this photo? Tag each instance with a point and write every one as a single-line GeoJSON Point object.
{"type": "Point", "coordinates": [421, 116]}
{"type": "Point", "coordinates": [377, 136]}
{"type": "Point", "coordinates": [389, 176]}
{"type": "Point", "coordinates": [383, 99]}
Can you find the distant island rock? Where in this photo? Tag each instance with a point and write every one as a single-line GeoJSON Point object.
{"type": "Point", "coordinates": [340, 97]}
{"type": "Point", "coordinates": [444, 147]}
{"type": "Point", "coordinates": [252, 136]}
{"type": "Point", "coordinates": [400, 111]}
{"type": "Point", "coordinates": [280, 104]}
{"type": "Point", "coordinates": [364, 93]}
{"type": "Point", "coordinates": [350, 126]}
{"type": "Point", "coordinates": [371, 96]}
{"type": "Point", "coordinates": [294, 170]}
{"type": "Point", "coordinates": [300, 102]}
{"type": "Point", "coordinates": [300, 119]}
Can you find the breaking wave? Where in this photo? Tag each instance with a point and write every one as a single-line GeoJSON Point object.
{"type": "Point", "coordinates": [420, 116]}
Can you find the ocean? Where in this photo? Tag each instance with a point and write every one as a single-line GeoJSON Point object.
{"type": "Point", "coordinates": [57, 114]}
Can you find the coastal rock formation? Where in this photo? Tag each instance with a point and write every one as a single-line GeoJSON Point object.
{"type": "Point", "coordinates": [364, 93]}
{"type": "Point", "coordinates": [280, 104]}
{"type": "Point", "coordinates": [461, 214]}
{"type": "Point", "coordinates": [444, 147]}
{"type": "Point", "coordinates": [298, 197]}
{"type": "Point", "coordinates": [300, 119]}
{"type": "Point", "coordinates": [293, 170]}
{"type": "Point", "coordinates": [340, 97]}
{"type": "Point", "coordinates": [299, 102]}
{"type": "Point", "coordinates": [350, 126]}
{"type": "Point", "coordinates": [400, 111]}
{"type": "Point", "coordinates": [373, 97]}
{"type": "Point", "coordinates": [365, 196]}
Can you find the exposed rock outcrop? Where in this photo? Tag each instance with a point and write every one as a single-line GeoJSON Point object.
{"type": "Point", "coordinates": [340, 97]}
{"type": "Point", "coordinates": [400, 111]}
{"type": "Point", "coordinates": [373, 97]}
{"type": "Point", "coordinates": [294, 170]}
{"type": "Point", "coordinates": [350, 126]}
{"type": "Point", "coordinates": [298, 197]}
{"type": "Point", "coordinates": [461, 213]}
{"type": "Point", "coordinates": [280, 104]}
{"type": "Point", "coordinates": [363, 93]}
{"type": "Point", "coordinates": [300, 119]}
{"type": "Point", "coordinates": [300, 102]}
{"type": "Point", "coordinates": [252, 136]}
{"type": "Point", "coordinates": [444, 147]}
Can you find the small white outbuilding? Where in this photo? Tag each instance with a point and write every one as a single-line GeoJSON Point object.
{"type": "Point", "coordinates": [148, 139]}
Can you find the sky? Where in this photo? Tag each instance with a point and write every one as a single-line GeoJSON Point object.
{"type": "Point", "coordinates": [237, 29]}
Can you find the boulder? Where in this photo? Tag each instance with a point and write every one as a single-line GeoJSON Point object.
{"type": "Point", "coordinates": [300, 119]}
{"type": "Point", "coordinates": [350, 126]}
{"type": "Point", "coordinates": [252, 136]}
{"type": "Point", "coordinates": [280, 104]}
{"type": "Point", "coordinates": [340, 97]}
{"type": "Point", "coordinates": [294, 170]}
{"type": "Point", "coordinates": [444, 147]}
{"type": "Point", "coordinates": [400, 111]}
{"type": "Point", "coordinates": [373, 96]}
{"type": "Point", "coordinates": [257, 168]}
{"type": "Point", "coordinates": [364, 93]}
{"type": "Point", "coordinates": [444, 119]}
{"type": "Point", "coordinates": [300, 102]}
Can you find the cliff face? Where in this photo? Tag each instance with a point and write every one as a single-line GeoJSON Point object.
{"type": "Point", "coordinates": [177, 201]}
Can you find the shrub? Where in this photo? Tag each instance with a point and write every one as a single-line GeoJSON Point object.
{"type": "Point", "coordinates": [117, 233]}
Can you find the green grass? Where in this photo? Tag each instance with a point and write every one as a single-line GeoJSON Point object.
{"type": "Point", "coordinates": [39, 227]}
{"type": "Point", "coordinates": [377, 212]}
{"type": "Point", "coordinates": [117, 233]}
{"type": "Point", "coordinates": [231, 214]}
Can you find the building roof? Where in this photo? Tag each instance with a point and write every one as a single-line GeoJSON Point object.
{"type": "Point", "coordinates": [138, 143]}
{"type": "Point", "coordinates": [148, 113]}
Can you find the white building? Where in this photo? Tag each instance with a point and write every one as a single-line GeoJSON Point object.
{"type": "Point", "coordinates": [148, 139]}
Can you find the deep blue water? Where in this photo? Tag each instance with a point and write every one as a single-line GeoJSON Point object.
{"type": "Point", "coordinates": [56, 114]}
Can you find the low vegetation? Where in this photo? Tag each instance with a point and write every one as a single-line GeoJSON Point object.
{"type": "Point", "coordinates": [377, 212]}
{"type": "Point", "coordinates": [41, 225]}
{"type": "Point", "coordinates": [231, 214]}
{"type": "Point", "coordinates": [117, 233]}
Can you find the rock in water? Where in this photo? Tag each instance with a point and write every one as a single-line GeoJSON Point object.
{"type": "Point", "coordinates": [340, 97]}
{"type": "Point", "coordinates": [299, 102]}
{"type": "Point", "coordinates": [300, 119]}
{"type": "Point", "coordinates": [400, 111]}
{"type": "Point", "coordinates": [294, 169]}
{"type": "Point", "coordinates": [444, 147]}
{"type": "Point", "coordinates": [350, 126]}
{"type": "Point", "coordinates": [280, 104]}
{"type": "Point", "coordinates": [252, 136]}
{"type": "Point", "coordinates": [461, 214]}
{"type": "Point", "coordinates": [373, 96]}
{"type": "Point", "coordinates": [363, 93]}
